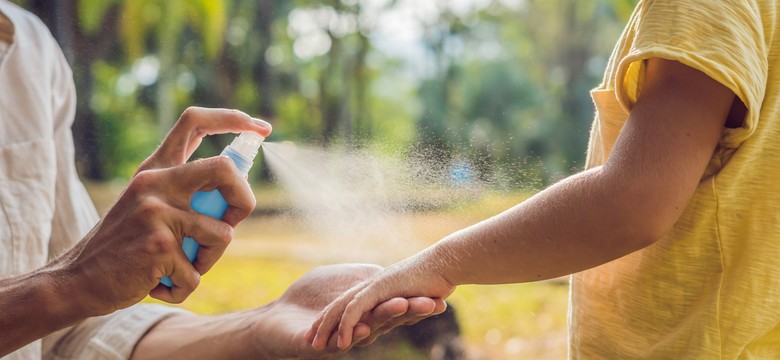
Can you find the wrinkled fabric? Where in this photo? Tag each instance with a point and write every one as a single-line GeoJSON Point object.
{"type": "Point", "coordinates": [44, 208]}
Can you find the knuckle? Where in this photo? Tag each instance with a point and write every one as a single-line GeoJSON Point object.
{"type": "Point", "coordinates": [242, 212]}
{"type": "Point", "coordinates": [193, 280]}
{"type": "Point", "coordinates": [147, 164]}
{"type": "Point", "coordinates": [219, 168]}
{"type": "Point", "coordinates": [196, 119]}
{"type": "Point", "coordinates": [199, 132]}
{"type": "Point", "coordinates": [184, 289]}
{"type": "Point", "coordinates": [245, 201]}
{"type": "Point", "coordinates": [142, 181]}
{"type": "Point", "coordinates": [223, 165]}
{"type": "Point", "coordinates": [188, 114]}
{"type": "Point", "coordinates": [225, 172]}
{"type": "Point", "coordinates": [191, 120]}
{"type": "Point", "coordinates": [151, 207]}
{"type": "Point", "coordinates": [224, 233]}
{"type": "Point", "coordinates": [159, 242]}
{"type": "Point", "coordinates": [251, 201]}
{"type": "Point", "coordinates": [351, 307]}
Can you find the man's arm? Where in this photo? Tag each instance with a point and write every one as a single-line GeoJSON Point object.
{"type": "Point", "coordinates": [35, 305]}
{"type": "Point", "coordinates": [583, 221]}
{"type": "Point", "coordinates": [139, 241]}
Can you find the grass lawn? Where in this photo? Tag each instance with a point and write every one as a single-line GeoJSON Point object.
{"type": "Point", "coordinates": [272, 248]}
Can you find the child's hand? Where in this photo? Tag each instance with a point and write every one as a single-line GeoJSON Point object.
{"type": "Point", "coordinates": [407, 279]}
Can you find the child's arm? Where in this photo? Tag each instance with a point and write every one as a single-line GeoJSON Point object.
{"type": "Point", "coordinates": [583, 221]}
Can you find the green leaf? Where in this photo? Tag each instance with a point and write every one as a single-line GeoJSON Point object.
{"type": "Point", "coordinates": [211, 17]}
{"type": "Point", "coordinates": [91, 13]}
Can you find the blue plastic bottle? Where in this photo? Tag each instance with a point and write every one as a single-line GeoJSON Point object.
{"type": "Point", "coordinates": [211, 203]}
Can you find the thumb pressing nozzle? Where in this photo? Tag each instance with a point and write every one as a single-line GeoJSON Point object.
{"type": "Point", "coordinates": [247, 144]}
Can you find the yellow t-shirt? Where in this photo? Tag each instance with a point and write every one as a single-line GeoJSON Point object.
{"type": "Point", "coordinates": [710, 289]}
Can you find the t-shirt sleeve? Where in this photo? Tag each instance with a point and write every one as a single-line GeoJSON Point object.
{"type": "Point", "coordinates": [722, 38]}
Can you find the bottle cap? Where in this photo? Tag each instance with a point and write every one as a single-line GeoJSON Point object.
{"type": "Point", "coordinates": [247, 144]}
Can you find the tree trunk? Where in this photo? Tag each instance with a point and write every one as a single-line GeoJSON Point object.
{"type": "Point", "coordinates": [261, 73]}
{"type": "Point", "coordinates": [61, 18]}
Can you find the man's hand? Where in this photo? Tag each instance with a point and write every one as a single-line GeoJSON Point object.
{"type": "Point", "coordinates": [139, 241]}
{"type": "Point", "coordinates": [277, 330]}
{"type": "Point", "coordinates": [285, 322]}
{"type": "Point", "coordinates": [340, 322]}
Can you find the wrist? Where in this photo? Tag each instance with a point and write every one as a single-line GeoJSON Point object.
{"type": "Point", "coordinates": [185, 336]}
{"type": "Point", "coordinates": [61, 291]}
{"type": "Point", "coordinates": [446, 271]}
{"type": "Point", "coordinates": [258, 334]}
{"type": "Point", "coordinates": [244, 337]}
{"type": "Point", "coordinates": [35, 308]}
{"type": "Point", "coordinates": [71, 288]}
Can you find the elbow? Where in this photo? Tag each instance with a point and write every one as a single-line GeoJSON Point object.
{"type": "Point", "coordinates": [648, 234]}
{"type": "Point", "coordinates": [646, 219]}
{"type": "Point", "coordinates": [633, 232]}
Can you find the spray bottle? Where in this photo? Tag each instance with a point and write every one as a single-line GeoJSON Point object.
{"type": "Point", "coordinates": [242, 151]}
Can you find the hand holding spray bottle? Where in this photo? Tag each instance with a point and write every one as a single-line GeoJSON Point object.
{"type": "Point", "coordinates": [242, 151]}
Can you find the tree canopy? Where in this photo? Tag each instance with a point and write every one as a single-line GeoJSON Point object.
{"type": "Point", "coordinates": [492, 82]}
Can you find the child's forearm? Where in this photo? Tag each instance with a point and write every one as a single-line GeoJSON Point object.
{"type": "Point", "coordinates": [583, 221]}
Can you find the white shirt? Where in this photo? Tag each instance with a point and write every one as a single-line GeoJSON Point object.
{"type": "Point", "coordinates": [44, 208]}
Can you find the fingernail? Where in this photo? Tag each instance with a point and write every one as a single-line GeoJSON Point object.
{"type": "Point", "coordinates": [263, 123]}
{"type": "Point", "coordinates": [393, 316]}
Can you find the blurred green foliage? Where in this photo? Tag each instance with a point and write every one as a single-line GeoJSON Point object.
{"type": "Point", "coordinates": [496, 82]}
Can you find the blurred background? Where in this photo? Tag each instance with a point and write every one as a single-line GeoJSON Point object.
{"type": "Point", "coordinates": [500, 84]}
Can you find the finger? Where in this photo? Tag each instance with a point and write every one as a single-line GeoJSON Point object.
{"type": "Point", "coordinates": [382, 319]}
{"type": "Point", "coordinates": [362, 332]}
{"type": "Point", "coordinates": [330, 319]}
{"type": "Point", "coordinates": [325, 325]}
{"type": "Point", "coordinates": [371, 339]}
{"type": "Point", "coordinates": [397, 312]}
{"type": "Point", "coordinates": [234, 188]}
{"type": "Point", "coordinates": [217, 172]}
{"type": "Point", "coordinates": [387, 316]}
{"type": "Point", "coordinates": [245, 203]}
{"type": "Point", "coordinates": [212, 236]}
{"type": "Point", "coordinates": [195, 123]}
{"type": "Point", "coordinates": [309, 335]}
{"type": "Point", "coordinates": [185, 280]}
{"type": "Point", "coordinates": [417, 308]}
{"type": "Point", "coordinates": [352, 314]}
{"type": "Point", "coordinates": [421, 306]}
{"type": "Point", "coordinates": [386, 311]}
{"type": "Point", "coordinates": [441, 306]}
{"type": "Point", "coordinates": [184, 277]}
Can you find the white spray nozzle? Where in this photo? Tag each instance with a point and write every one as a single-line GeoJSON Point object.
{"type": "Point", "coordinates": [247, 144]}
